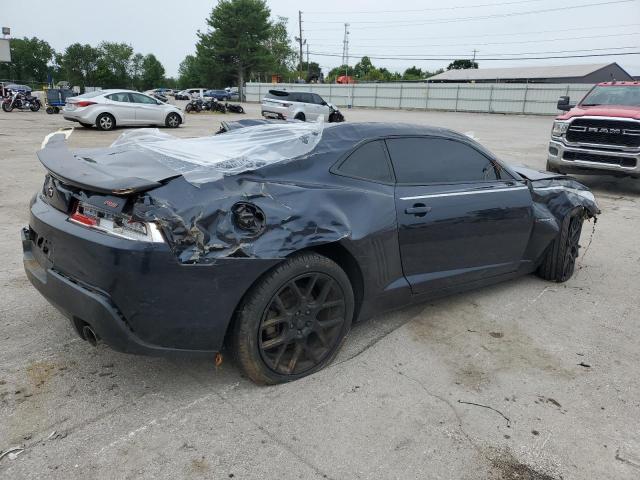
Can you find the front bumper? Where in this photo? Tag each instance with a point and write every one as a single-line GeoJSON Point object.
{"type": "Point", "coordinates": [578, 159]}
{"type": "Point", "coordinates": [135, 295]}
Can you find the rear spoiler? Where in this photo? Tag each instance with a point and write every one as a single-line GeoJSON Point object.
{"type": "Point", "coordinates": [102, 171]}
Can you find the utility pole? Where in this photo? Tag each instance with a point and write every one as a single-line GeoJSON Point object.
{"type": "Point", "coordinates": [308, 68]}
{"type": "Point", "coordinates": [300, 38]}
{"type": "Point", "coordinates": [345, 49]}
{"type": "Point", "coordinates": [474, 55]}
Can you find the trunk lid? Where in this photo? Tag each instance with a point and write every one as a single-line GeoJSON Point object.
{"type": "Point", "coordinates": [112, 172]}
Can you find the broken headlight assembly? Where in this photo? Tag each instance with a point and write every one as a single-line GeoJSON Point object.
{"type": "Point", "coordinates": [559, 128]}
{"type": "Point", "coordinates": [121, 225]}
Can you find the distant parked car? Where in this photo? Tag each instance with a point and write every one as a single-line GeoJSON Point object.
{"type": "Point", "coordinates": [107, 109]}
{"type": "Point", "coordinates": [190, 93]}
{"type": "Point", "coordinates": [299, 106]}
{"type": "Point", "coordinates": [218, 94]}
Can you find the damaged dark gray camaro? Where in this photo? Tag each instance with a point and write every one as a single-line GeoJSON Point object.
{"type": "Point", "coordinates": [274, 238]}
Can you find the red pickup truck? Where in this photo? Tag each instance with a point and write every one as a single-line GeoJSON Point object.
{"type": "Point", "coordinates": [601, 134]}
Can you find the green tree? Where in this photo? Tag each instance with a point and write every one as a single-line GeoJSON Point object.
{"type": "Point", "coordinates": [136, 70]}
{"type": "Point", "coordinates": [237, 39]}
{"type": "Point", "coordinates": [114, 65]}
{"type": "Point", "coordinates": [278, 44]}
{"type": "Point", "coordinates": [188, 72]}
{"type": "Point", "coordinates": [78, 64]}
{"type": "Point", "coordinates": [31, 60]}
{"type": "Point", "coordinates": [363, 68]}
{"type": "Point", "coordinates": [152, 72]}
{"type": "Point", "coordinates": [462, 65]}
{"type": "Point", "coordinates": [312, 70]}
{"type": "Point", "coordinates": [413, 73]}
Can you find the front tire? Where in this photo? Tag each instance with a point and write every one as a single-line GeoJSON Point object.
{"type": "Point", "coordinates": [551, 168]}
{"type": "Point", "coordinates": [173, 120]}
{"type": "Point", "coordinates": [7, 107]}
{"type": "Point", "coordinates": [559, 261]}
{"type": "Point", "coordinates": [293, 322]}
{"type": "Point", "coordinates": [105, 121]}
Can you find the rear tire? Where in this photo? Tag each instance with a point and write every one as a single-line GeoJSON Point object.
{"type": "Point", "coordinates": [558, 263]}
{"type": "Point", "coordinates": [300, 116]}
{"type": "Point", "coordinates": [35, 106]}
{"type": "Point", "coordinates": [293, 321]}
{"type": "Point", "coordinates": [173, 120]}
{"type": "Point", "coordinates": [105, 121]}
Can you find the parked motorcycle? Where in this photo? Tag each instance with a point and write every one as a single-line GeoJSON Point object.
{"type": "Point", "coordinates": [216, 106]}
{"type": "Point", "coordinates": [194, 106]}
{"type": "Point", "coordinates": [334, 114]}
{"type": "Point", "coordinates": [21, 101]}
{"type": "Point", "coordinates": [234, 107]}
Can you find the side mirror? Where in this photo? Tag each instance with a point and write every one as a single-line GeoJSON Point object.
{"type": "Point", "coordinates": [564, 105]}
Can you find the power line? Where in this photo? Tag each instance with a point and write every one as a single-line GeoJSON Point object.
{"type": "Point", "coordinates": [590, 37]}
{"type": "Point", "coordinates": [433, 9]}
{"type": "Point", "coordinates": [510, 34]}
{"type": "Point", "coordinates": [458, 55]}
{"type": "Point", "coordinates": [320, 54]}
{"type": "Point", "coordinates": [405, 23]}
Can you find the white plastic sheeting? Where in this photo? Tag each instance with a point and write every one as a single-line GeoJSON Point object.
{"type": "Point", "coordinates": [206, 159]}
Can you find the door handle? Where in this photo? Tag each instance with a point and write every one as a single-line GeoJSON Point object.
{"type": "Point", "coordinates": [418, 209]}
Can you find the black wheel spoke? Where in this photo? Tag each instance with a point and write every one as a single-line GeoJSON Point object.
{"type": "Point", "coordinates": [274, 342]}
{"type": "Point", "coordinates": [332, 322]}
{"type": "Point", "coordinates": [281, 351]}
{"type": "Point", "coordinates": [274, 321]}
{"type": "Point", "coordinates": [333, 303]}
{"type": "Point", "coordinates": [297, 351]}
{"type": "Point", "coordinates": [310, 285]}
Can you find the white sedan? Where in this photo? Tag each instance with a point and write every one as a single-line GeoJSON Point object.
{"type": "Point", "coordinates": [107, 109]}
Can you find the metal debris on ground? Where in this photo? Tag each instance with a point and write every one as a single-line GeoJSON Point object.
{"type": "Point", "coordinates": [12, 453]}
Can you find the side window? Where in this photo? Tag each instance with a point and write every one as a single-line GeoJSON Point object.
{"type": "Point", "coordinates": [305, 98]}
{"type": "Point", "coordinates": [119, 97]}
{"type": "Point", "coordinates": [368, 162]}
{"type": "Point", "coordinates": [139, 98]}
{"type": "Point", "coordinates": [438, 160]}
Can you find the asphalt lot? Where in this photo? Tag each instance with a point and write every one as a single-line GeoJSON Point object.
{"type": "Point", "coordinates": [399, 401]}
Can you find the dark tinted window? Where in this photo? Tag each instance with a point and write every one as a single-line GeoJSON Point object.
{"type": "Point", "coordinates": [305, 98]}
{"type": "Point", "coordinates": [139, 98]}
{"type": "Point", "coordinates": [437, 160]}
{"type": "Point", "coordinates": [369, 161]}
{"type": "Point", "coordinates": [317, 98]}
{"type": "Point", "coordinates": [118, 97]}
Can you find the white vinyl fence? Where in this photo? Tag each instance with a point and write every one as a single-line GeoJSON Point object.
{"type": "Point", "coordinates": [522, 98]}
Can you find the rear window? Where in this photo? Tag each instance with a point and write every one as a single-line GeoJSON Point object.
{"type": "Point", "coordinates": [277, 94]}
{"type": "Point", "coordinates": [90, 94]}
{"type": "Point", "coordinates": [368, 162]}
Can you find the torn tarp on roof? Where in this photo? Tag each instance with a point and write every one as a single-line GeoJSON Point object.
{"type": "Point", "coordinates": [205, 159]}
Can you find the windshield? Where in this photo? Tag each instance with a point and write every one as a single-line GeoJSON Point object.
{"type": "Point", "coordinates": [626, 95]}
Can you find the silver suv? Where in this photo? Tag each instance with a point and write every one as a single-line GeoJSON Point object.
{"type": "Point", "coordinates": [299, 106]}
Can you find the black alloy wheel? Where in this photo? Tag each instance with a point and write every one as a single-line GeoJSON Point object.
{"type": "Point", "coordinates": [292, 322]}
{"type": "Point", "coordinates": [302, 323]}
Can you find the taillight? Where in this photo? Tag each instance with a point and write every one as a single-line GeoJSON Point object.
{"type": "Point", "coordinates": [84, 103]}
{"type": "Point", "coordinates": [118, 225]}
{"type": "Point", "coordinates": [83, 219]}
